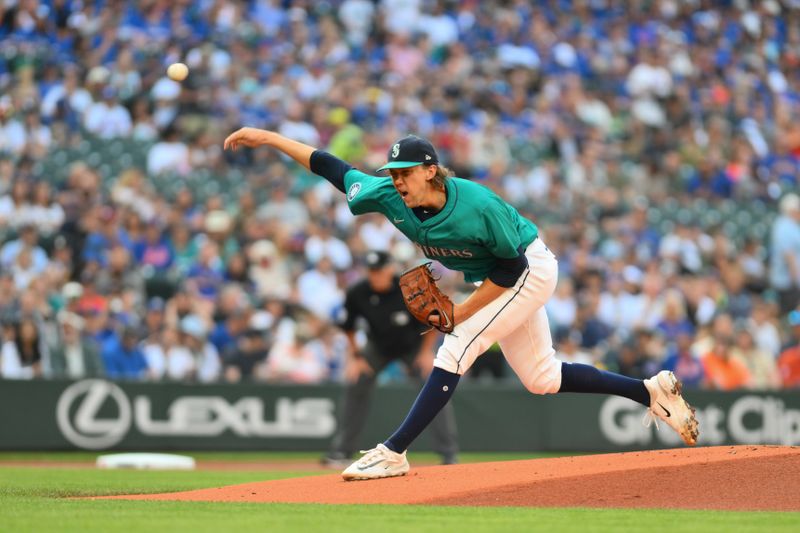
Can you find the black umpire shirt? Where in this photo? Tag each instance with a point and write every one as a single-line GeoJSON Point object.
{"type": "Point", "coordinates": [392, 330]}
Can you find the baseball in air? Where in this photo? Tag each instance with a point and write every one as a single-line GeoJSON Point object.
{"type": "Point", "coordinates": [177, 71]}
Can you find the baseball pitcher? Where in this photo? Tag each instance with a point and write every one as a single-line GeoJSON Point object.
{"type": "Point", "coordinates": [468, 228]}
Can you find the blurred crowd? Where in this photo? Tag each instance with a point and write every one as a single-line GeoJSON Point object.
{"type": "Point", "coordinates": [636, 133]}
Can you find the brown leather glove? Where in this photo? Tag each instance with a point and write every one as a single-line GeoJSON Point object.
{"type": "Point", "coordinates": [424, 299]}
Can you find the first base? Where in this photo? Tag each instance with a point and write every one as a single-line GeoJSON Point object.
{"type": "Point", "coordinates": [146, 461]}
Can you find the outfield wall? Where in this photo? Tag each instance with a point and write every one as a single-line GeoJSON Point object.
{"type": "Point", "coordinates": [102, 415]}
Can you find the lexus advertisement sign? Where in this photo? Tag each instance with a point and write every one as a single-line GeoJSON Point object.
{"type": "Point", "coordinates": [78, 413]}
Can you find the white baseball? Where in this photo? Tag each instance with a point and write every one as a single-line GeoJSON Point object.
{"type": "Point", "coordinates": [177, 71]}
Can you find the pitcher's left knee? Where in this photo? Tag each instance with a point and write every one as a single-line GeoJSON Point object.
{"type": "Point", "coordinates": [547, 380]}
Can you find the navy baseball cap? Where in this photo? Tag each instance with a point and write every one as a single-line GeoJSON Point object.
{"type": "Point", "coordinates": [376, 259]}
{"type": "Point", "coordinates": [411, 151]}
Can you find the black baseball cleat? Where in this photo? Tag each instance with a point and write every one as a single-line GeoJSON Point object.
{"type": "Point", "coordinates": [449, 459]}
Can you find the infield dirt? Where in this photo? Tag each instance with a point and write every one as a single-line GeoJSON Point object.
{"type": "Point", "coordinates": [725, 478]}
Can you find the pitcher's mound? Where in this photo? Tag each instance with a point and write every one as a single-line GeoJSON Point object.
{"type": "Point", "coordinates": [730, 478]}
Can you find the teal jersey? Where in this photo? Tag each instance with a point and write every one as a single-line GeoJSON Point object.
{"type": "Point", "coordinates": [474, 228]}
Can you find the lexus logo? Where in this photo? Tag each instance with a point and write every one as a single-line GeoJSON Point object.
{"type": "Point", "coordinates": [94, 414]}
{"type": "Point", "coordinates": [77, 414]}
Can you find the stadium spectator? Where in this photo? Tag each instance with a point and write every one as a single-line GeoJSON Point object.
{"type": "Point", "coordinates": [640, 355]}
{"type": "Point", "coordinates": [569, 347]}
{"type": "Point", "coordinates": [250, 350]}
{"type": "Point", "coordinates": [723, 370]}
{"type": "Point", "coordinates": [562, 307]}
{"type": "Point", "coordinates": [13, 138]}
{"type": "Point", "coordinates": [74, 356]}
{"type": "Point", "coordinates": [10, 364]}
{"type": "Point", "coordinates": [170, 154]}
{"type": "Point", "coordinates": [144, 128]}
{"type": "Point", "coordinates": [28, 242]}
{"type": "Point", "coordinates": [789, 360]}
{"type": "Point", "coordinates": [108, 118]}
{"type": "Point", "coordinates": [290, 212]}
{"type": "Point", "coordinates": [193, 358]}
{"type": "Point", "coordinates": [38, 137]}
{"type": "Point", "coordinates": [751, 260]}
{"type": "Point", "coordinates": [66, 100]}
{"type": "Point", "coordinates": [377, 233]}
{"type": "Point", "coordinates": [14, 203]}
{"type": "Point", "coordinates": [24, 270]}
{"type": "Point", "coordinates": [122, 357]}
{"type": "Point", "coordinates": [46, 214]}
{"type": "Point", "coordinates": [120, 275]}
{"type": "Point", "coordinates": [205, 276]}
{"type": "Point", "coordinates": [684, 363]}
{"type": "Point", "coordinates": [617, 307]}
{"type": "Point", "coordinates": [785, 253]}
{"type": "Point", "coordinates": [762, 367]}
{"type": "Point", "coordinates": [269, 270]}
{"type": "Point", "coordinates": [292, 360]}
{"type": "Point", "coordinates": [218, 226]}
{"type": "Point", "coordinates": [674, 322]}
{"type": "Point", "coordinates": [154, 251]}
{"type": "Point", "coordinates": [154, 321]}
{"type": "Point", "coordinates": [237, 271]}
{"type": "Point", "coordinates": [228, 332]}
{"type": "Point", "coordinates": [23, 351]}
{"type": "Point", "coordinates": [594, 332]}
{"type": "Point", "coordinates": [155, 348]}
{"type": "Point", "coordinates": [295, 127]}
{"type": "Point", "coordinates": [184, 248]}
{"type": "Point", "coordinates": [322, 243]}
{"type": "Point", "coordinates": [318, 289]}
{"type": "Point", "coordinates": [765, 329]}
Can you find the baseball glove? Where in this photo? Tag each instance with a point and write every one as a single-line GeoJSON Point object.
{"type": "Point", "coordinates": [424, 299]}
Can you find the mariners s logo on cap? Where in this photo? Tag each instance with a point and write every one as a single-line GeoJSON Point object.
{"type": "Point", "coordinates": [411, 151]}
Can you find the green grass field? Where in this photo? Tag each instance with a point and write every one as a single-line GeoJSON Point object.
{"type": "Point", "coordinates": [38, 499]}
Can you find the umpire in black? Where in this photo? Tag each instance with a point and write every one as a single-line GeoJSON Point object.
{"type": "Point", "coordinates": [392, 334]}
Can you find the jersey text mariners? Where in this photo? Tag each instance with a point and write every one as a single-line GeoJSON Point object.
{"type": "Point", "coordinates": [473, 229]}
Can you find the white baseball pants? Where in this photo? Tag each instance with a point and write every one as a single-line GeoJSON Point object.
{"type": "Point", "coordinates": [518, 322]}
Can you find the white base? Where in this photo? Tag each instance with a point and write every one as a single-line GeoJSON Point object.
{"type": "Point", "coordinates": [146, 461]}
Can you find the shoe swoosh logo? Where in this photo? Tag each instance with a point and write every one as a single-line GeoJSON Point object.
{"type": "Point", "coordinates": [665, 409]}
{"type": "Point", "coordinates": [370, 465]}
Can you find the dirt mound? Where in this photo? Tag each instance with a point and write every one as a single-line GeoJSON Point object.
{"type": "Point", "coordinates": [730, 478]}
